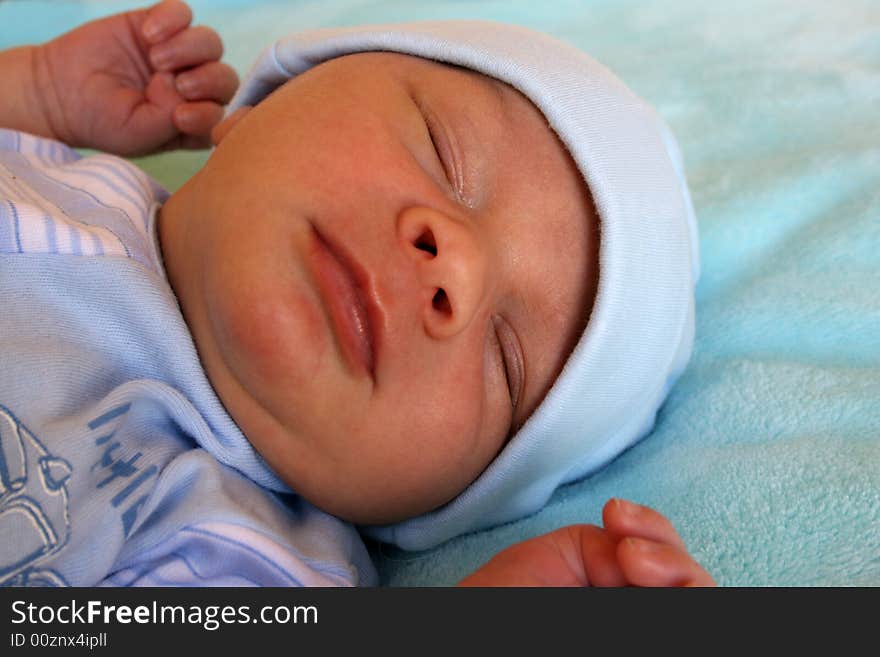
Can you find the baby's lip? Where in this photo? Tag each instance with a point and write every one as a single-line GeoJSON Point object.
{"type": "Point", "coordinates": [349, 300]}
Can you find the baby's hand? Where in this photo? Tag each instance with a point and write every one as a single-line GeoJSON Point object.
{"type": "Point", "coordinates": [136, 82]}
{"type": "Point", "coordinates": [636, 547]}
{"type": "Point", "coordinates": [649, 552]}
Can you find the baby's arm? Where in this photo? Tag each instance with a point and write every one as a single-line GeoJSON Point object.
{"type": "Point", "coordinates": [133, 83]}
{"type": "Point", "coordinates": [636, 547]}
{"type": "Point", "coordinates": [19, 102]}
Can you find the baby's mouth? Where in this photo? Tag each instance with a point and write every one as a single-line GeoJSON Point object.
{"type": "Point", "coordinates": [341, 283]}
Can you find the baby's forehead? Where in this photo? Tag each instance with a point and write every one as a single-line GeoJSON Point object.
{"type": "Point", "coordinates": [458, 78]}
{"type": "Point", "coordinates": [472, 93]}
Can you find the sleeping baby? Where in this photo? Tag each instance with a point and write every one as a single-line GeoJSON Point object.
{"type": "Point", "coordinates": [429, 273]}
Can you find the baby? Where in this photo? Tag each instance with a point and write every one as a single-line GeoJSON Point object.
{"type": "Point", "coordinates": [429, 273]}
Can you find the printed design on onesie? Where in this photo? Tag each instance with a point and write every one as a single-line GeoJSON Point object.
{"type": "Point", "coordinates": [33, 505]}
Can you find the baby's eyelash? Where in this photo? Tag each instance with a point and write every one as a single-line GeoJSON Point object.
{"type": "Point", "coordinates": [437, 149]}
{"type": "Point", "coordinates": [451, 166]}
{"type": "Point", "coordinates": [506, 368]}
{"type": "Point", "coordinates": [511, 364]}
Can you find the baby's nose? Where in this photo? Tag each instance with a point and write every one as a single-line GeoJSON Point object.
{"type": "Point", "coordinates": [451, 268]}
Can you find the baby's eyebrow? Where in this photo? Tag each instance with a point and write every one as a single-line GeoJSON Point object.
{"type": "Point", "coordinates": [501, 94]}
{"type": "Point", "coordinates": [496, 86]}
{"type": "Point", "coordinates": [499, 90]}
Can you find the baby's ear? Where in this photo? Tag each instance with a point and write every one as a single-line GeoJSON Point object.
{"type": "Point", "coordinates": [219, 131]}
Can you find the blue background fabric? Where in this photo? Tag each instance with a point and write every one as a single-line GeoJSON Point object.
{"type": "Point", "coordinates": [767, 454]}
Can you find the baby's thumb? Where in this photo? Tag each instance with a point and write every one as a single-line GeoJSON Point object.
{"type": "Point", "coordinates": [151, 124]}
{"type": "Point", "coordinates": [162, 93]}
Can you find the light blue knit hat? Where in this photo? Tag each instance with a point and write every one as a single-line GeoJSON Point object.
{"type": "Point", "coordinates": [640, 332]}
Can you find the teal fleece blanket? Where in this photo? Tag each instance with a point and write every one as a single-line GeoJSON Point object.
{"type": "Point", "coordinates": [767, 454]}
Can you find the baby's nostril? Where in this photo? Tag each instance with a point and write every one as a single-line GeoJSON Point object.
{"type": "Point", "coordinates": [440, 302]}
{"type": "Point", "coordinates": [425, 242]}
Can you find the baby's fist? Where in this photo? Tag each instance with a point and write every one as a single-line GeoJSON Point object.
{"type": "Point", "coordinates": [186, 60]}
{"type": "Point", "coordinates": [136, 82]}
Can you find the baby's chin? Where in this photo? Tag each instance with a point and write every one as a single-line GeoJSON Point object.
{"type": "Point", "coordinates": [353, 505]}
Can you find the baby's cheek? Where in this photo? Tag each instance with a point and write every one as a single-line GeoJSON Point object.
{"type": "Point", "coordinates": [274, 338]}
{"type": "Point", "coordinates": [457, 419]}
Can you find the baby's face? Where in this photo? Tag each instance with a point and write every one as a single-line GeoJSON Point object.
{"type": "Point", "coordinates": [384, 265]}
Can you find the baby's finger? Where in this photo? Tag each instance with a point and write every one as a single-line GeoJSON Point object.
{"type": "Point", "coordinates": [191, 47]}
{"type": "Point", "coordinates": [599, 555]}
{"type": "Point", "coordinates": [165, 20]}
{"type": "Point", "coordinates": [197, 119]}
{"type": "Point", "coordinates": [212, 81]}
{"type": "Point", "coordinates": [649, 563]}
{"type": "Point", "coordinates": [622, 518]}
